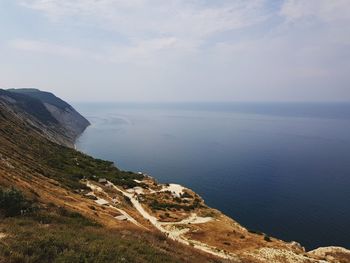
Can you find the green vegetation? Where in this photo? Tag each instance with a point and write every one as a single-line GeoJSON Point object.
{"type": "Point", "coordinates": [66, 165]}
{"type": "Point", "coordinates": [156, 205]}
{"type": "Point", "coordinates": [59, 237]}
{"type": "Point", "coordinates": [56, 234]}
{"type": "Point", "coordinates": [13, 203]}
{"type": "Point", "coordinates": [267, 238]}
{"type": "Point", "coordinates": [255, 232]}
{"type": "Point", "coordinates": [185, 195]}
{"type": "Point", "coordinates": [40, 231]}
{"type": "Point", "coordinates": [127, 199]}
{"type": "Point", "coordinates": [74, 166]}
{"type": "Point", "coordinates": [208, 213]}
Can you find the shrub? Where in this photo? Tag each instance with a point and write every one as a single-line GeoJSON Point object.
{"type": "Point", "coordinates": [267, 238]}
{"type": "Point", "coordinates": [185, 195]}
{"type": "Point", "coordinates": [255, 232]}
{"type": "Point", "coordinates": [127, 200]}
{"type": "Point", "coordinates": [12, 202]}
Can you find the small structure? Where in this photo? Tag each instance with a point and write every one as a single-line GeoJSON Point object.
{"type": "Point", "coordinates": [121, 218]}
{"type": "Point", "coordinates": [102, 180]}
{"type": "Point", "coordinates": [101, 201]}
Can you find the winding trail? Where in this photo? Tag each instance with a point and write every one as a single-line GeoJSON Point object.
{"type": "Point", "coordinates": [175, 233]}
{"type": "Point", "coordinates": [129, 217]}
{"type": "Point", "coordinates": [102, 201]}
{"type": "Point", "coordinates": [193, 219]}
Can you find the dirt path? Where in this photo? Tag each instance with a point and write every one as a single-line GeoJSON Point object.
{"type": "Point", "coordinates": [192, 219]}
{"type": "Point", "coordinates": [128, 217]}
{"type": "Point", "coordinates": [102, 201]}
{"type": "Point", "coordinates": [173, 232]}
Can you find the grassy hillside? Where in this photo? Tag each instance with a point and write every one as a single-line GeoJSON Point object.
{"type": "Point", "coordinates": [42, 219]}
{"type": "Point", "coordinates": [50, 211]}
{"type": "Point", "coordinates": [54, 234]}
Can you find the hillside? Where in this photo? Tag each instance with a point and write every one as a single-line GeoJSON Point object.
{"type": "Point", "coordinates": [60, 205]}
{"type": "Point", "coordinates": [73, 123]}
{"type": "Point", "coordinates": [71, 227]}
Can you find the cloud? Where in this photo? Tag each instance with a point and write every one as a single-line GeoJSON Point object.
{"type": "Point", "coordinates": [143, 52]}
{"type": "Point", "coordinates": [321, 22]}
{"type": "Point", "coordinates": [45, 47]}
{"type": "Point", "coordinates": [322, 10]}
{"type": "Point", "coordinates": [154, 29]}
{"type": "Point", "coordinates": [147, 28]}
{"type": "Point", "coordinates": [142, 18]}
{"type": "Point", "coordinates": [223, 49]}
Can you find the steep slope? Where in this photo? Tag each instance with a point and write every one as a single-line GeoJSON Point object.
{"type": "Point", "coordinates": [57, 222]}
{"type": "Point", "coordinates": [30, 105]}
{"type": "Point", "coordinates": [87, 210]}
{"type": "Point", "coordinates": [33, 111]}
{"type": "Point", "coordinates": [73, 123]}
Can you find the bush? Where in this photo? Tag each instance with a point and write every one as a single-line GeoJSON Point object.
{"type": "Point", "coordinates": [255, 232]}
{"type": "Point", "coordinates": [267, 238]}
{"type": "Point", "coordinates": [12, 202]}
{"type": "Point", "coordinates": [185, 195]}
{"type": "Point", "coordinates": [127, 200]}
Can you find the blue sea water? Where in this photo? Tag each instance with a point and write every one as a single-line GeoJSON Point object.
{"type": "Point", "coordinates": [280, 168]}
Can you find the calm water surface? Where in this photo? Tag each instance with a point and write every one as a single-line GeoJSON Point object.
{"type": "Point", "coordinates": [283, 169]}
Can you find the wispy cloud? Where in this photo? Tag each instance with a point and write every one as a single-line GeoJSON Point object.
{"type": "Point", "coordinates": [247, 49]}
{"type": "Point", "coordinates": [324, 10]}
{"type": "Point", "coordinates": [140, 52]}
{"type": "Point", "coordinates": [145, 18]}
{"type": "Point", "coordinates": [146, 27]}
{"type": "Point", "coordinates": [45, 47]}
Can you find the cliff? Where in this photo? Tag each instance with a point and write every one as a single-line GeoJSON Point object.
{"type": "Point", "coordinates": [60, 205]}
{"type": "Point", "coordinates": [58, 120]}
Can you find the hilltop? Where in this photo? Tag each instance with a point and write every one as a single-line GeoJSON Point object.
{"type": "Point", "coordinates": [60, 205]}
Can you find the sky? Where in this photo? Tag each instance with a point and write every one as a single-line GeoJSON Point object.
{"type": "Point", "coordinates": [178, 50]}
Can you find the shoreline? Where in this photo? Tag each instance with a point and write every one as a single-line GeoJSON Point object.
{"type": "Point", "coordinates": [158, 227]}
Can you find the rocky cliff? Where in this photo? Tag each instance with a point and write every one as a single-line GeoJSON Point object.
{"type": "Point", "coordinates": [54, 117]}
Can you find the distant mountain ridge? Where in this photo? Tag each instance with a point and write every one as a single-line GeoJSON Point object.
{"type": "Point", "coordinates": [56, 118]}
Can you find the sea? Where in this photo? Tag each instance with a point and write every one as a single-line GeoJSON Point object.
{"type": "Point", "coordinates": [279, 168]}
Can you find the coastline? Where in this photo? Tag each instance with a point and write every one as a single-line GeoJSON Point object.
{"type": "Point", "coordinates": [282, 248]}
{"type": "Point", "coordinates": [269, 185]}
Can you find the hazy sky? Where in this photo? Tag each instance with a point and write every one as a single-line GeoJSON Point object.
{"type": "Point", "coordinates": [178, 50]}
